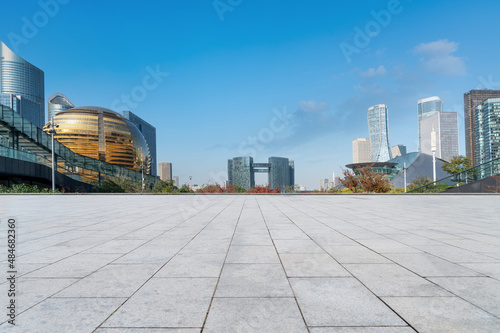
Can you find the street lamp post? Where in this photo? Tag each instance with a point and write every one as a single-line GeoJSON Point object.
{"type": "Point", "coordinates": [52, 131]}
{"type": "Point", "coordinates": [142, 176]}
{"type": "Point", "coordinates": [433, 149]}
{"type": "Point", "coordinates": [404, 173]}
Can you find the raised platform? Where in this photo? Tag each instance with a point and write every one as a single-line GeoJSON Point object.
{"type": "Point", "coordinates": [243, 263]}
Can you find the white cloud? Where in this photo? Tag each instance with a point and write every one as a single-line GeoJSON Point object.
{"type": "Point", "coordinates": [437, 58]}
{"type": "Point", "coordinates": [372, 72]}
{"type": "Point", "coordinates": [312, 106]}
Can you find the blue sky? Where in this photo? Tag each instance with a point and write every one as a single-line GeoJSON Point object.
{"type": "Point", "coordinates": [234, 77]}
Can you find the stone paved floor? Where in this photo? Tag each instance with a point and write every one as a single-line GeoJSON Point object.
{"type": "Point", "coordinates": [301, 263]}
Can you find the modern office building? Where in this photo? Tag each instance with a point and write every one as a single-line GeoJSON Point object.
{"type": "Point", "coordinates": [149, 133]}
{"type": "Point", "coordinates": [176, 181]}
{"type": "Point", "coordinates": [57, 103]}
{"type": "Point", "coordinates": [427, 107]}
{"type": "Point", "coordinates": [361, 150]}
{"type": "Point", "coordinates": [22, 86]}
{"type": "Point", "coordinates": [445, 124]}
{"type": "Point", "coordinates": [487, 131]}
{"type": "Point", "coordinates": [241, 172]}
{"type": "Point", "coordinates": [103, 135]}
{"type": "Point", "coordinates": [292, 173]}
{"type": "Point", "coordinates": [472, 99]}
{"type": "Point", "coordinates": [378, 125]}
{"type": "Point", "coordinates": [279, 172]}
{"type": "Point", "coordinates": [165, 171]}
{"type": "Point", "coordinates": [398, 150]}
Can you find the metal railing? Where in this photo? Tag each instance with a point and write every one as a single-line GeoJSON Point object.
{"type": "Point", "coordinates": [470, 175]}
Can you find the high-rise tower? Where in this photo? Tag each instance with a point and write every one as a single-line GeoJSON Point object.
{"type": "Point", "coordinates": [427, 107]}
{"type": "Point", "coordinates": [361, 150]}
{"type": "Point", "coordinates": [21, 86]}
{"type": "Point", "coordinates": [472, 99]}
{"type": "Point", "coordinates": [378, 126]}
{"type": "Point", "coordinates": [57, 103]}
{"type": "Point", "coordinates": [445, 125]}
{"type": "Point", "coordinates": [487, 131]}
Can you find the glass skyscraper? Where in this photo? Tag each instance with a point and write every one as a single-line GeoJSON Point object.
{"type": "Point", "coordinates": [445, 124]}
{"type": "Point", "coordinates": [472, 99]}
{"type": "Point", "coordinates": [487, 131]}
{"type": "Point", "coordinates": [378, 126]}
{"type": "Point", "coordinates": [279, 172]}
{"type": "Point", "coordinates": [240, 172]}
{"type": "Point", "coordinates": [149, 133]}
{"type": "Point", "coordinates": [427, 107]}
{"type": "Point", "coordinates": [57, 103]}
{"type": "Point", "coordinates": [22, 86]}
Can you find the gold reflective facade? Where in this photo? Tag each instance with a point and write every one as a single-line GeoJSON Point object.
{"type": "Point", "coordinates": [104, 135]}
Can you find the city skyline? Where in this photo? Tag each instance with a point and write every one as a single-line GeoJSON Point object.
{"type": "Point", "coordinates": [229, 88]}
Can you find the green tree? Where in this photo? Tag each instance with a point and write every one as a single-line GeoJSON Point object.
{"type": "Point", "coordinates": [24, 188]}
{"type": "Point", "coordinates": [419, 182]}
{"type": "Point", "coordinates": [164, 187]}
{"type": "Point", "coordinates": [109, 186]}
{"type": "Point", "coordinates": [291, 189]}
{"type": "Point", "coordinates": [185, 189]}
{"type": "Point", "coordinates": [121, 185]}
{"type": "Point", "coordinates": [457, 164]}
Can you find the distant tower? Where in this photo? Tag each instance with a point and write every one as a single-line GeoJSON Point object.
{"type": "Point", "coordinates": [445, 124]}
{"type": "Point", "coordinates": [22, 86]}
{"type": "Point", "coordinates": [361, 151]}
{"type": "Point", "coordinates": [56, 103]}
{"type": "Point", "coordinates": [378, 126]}
{"type": "Point", "coordinates": [165, 171]}
{"type": "Point", "coordinates": [398, 150]}
{"type": "Point", "coordinates": [427, 107]}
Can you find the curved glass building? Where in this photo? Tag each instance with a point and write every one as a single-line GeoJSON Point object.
{"type": "Point", "coordinates": [104, 135]}
{"type": "Point", "coordinates": [427, 107]}
{"type": "Point", "coordinates": [21, 86]}
{"type": "Point", "coordinates": [378, 126]}
{"type": "Point", "coordinates": [57, 103]}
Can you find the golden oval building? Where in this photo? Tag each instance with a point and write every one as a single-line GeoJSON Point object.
{"type": "Point", "coordinates": [104, 135]}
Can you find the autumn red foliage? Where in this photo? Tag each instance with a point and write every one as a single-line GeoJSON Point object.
{"type": "Point", "coordinates": [365, 180]}
{"type": "Point", "coordinates": [264, 189]}
{"type": "Point", "coordinates": [211, 189]}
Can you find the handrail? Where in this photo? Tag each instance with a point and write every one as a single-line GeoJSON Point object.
{"type": "Point", "coordinates": [472, 174]}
